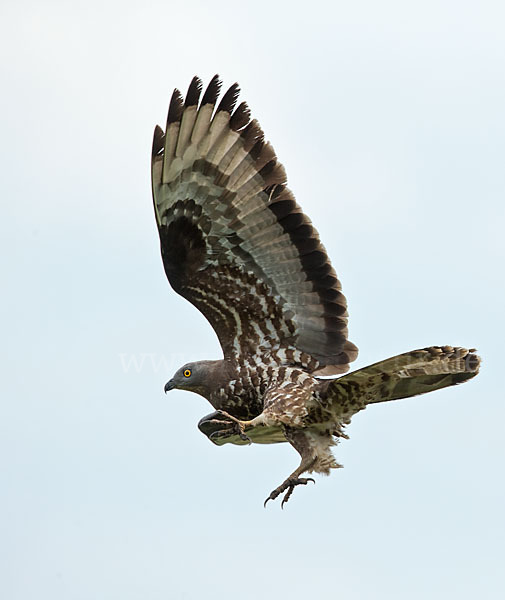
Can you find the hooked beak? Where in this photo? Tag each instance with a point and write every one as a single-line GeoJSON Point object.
{"type": "Point", "coordinates": [169, 386]}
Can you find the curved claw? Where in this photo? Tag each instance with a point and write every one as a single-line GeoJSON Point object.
{"type": "Point", "coordinates": [287, 495]}
{"type": "Point", "coordinates": [288, 485]}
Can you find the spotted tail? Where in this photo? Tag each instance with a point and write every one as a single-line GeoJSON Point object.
{"type": "Point", "coordinates": [402, 376]}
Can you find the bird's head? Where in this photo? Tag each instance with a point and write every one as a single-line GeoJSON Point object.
{"type": "Point", "coordinates": [198, 377]}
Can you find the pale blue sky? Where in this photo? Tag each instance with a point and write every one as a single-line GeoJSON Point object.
{"type": "Point", "coordinates": [389, 119]}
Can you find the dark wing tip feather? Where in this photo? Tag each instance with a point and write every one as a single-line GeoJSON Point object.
{"type": "Point", "coordinates": [176, 107]}
{"type": "Point", "coordinates": [251, 135]}
{"type": "Point", "coordinates": [212, 92]}
{"type": "Point", "coordinates": [267, 169]}
{"type": "Point", "coordinates": [194, 91]}
{"type": "Point", "coordinates": [292, 220]}
{"type": "Point", "coordinates": [282, 208]}
{"type": "Point", "coordinates": [158, 141]}
{"type": "Point", "coordinates": [314, 259]}
{"type": "Point", "coordinates": [255, 151]}
{"type": "Point", "coordinates": [330, 296]}
{"type": "Point", "coordinates": [240, 117]}
{"type": "Point", "coordinates": [273, 173]}
{"type": "Point", "coordinates": [229, 99]}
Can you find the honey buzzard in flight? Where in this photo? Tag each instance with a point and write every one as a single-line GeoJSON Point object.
{"type": "Point", "coordinates": [235, 243]}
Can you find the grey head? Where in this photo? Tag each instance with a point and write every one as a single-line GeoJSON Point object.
{"type": "Point", "coordinates": [202, 377]}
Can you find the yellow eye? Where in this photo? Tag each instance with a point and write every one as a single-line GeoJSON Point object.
{"type": "Point", "coordinates": [187, 373]}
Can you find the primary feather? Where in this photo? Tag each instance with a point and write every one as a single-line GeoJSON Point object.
{"type": "Point", "coordinates": [234, 241]}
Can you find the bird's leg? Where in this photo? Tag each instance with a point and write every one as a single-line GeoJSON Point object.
{"type": "Point", "coordinates": [299, 441]}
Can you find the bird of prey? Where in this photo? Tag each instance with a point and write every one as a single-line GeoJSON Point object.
{"type": "Point", "coordinates": [235, 243]}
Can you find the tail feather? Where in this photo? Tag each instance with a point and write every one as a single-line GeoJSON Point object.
{"type": "Point", "coordinates": [402, 376]}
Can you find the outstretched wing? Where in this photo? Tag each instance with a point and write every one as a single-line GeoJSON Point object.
{"type": "Point", "coordinates": [235, 243]}
{"type": "Point", "coordinates": [401, 376]}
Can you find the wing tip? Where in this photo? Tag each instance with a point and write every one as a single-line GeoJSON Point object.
{"type": "Point", "coordinates": [194, 92]}
{"type": "Point", "coordinates": [212, 92]}
{"type": "Point", "coordinates": [176, 107]}
{"type": "Point", "coordinates": [158, 141]}
{"type": "Point", "coordinates": [229, 100]}
{"type": "Point", "coordinates": [241, 117]}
